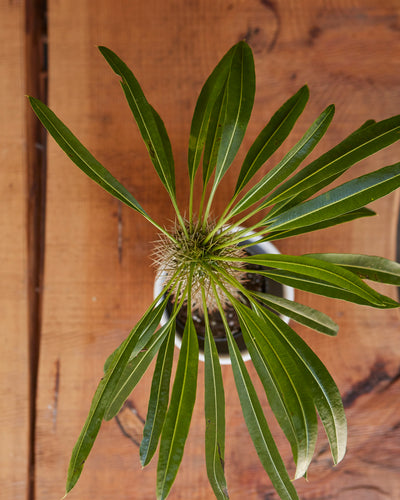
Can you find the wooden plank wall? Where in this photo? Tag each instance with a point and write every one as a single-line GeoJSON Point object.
{"type": "Point", "coordinates": [98, 278]}
{"type": "Point", "coordinates": [14, 345]}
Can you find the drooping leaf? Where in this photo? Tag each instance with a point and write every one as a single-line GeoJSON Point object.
{"type": "Point", "coordinates": [272, 136]}
{"type": "Point", "coordinates": [239, 103]}
{"type": "Point", "coordinates": [349, 196]}
{"type": "Point", "coordinates": [179, 414]}
{"type": "Point", "coordinates": [103, 396]}
{"type": "Point", "coordinates": [324, 170]}
{"type": "Point", "coordinates": [135, 370]}
{"type": "Point", "coordinates": [159, 397]}
{"type": "Point", "coordinates": [341, 219]}
{"type": "Point", "coordinates": [302, 314]}
{"type": "Point", "coordinates": [289, 163]}
{"type": "Point", "coordinates": [326, 395]}
{"type": "Point", "coordinates": [288, 396]}
{"type": "Point", "coordinates": [322, 272]}
{"type": "Point", "coordinates": [205, 103]}
{"type": "Point", "coordinates": [82, 157]}
{"type": "Point", "coordinates": [150, 124]}
{"type": "Point", "coordinates": [214, 409]}
{"type": "Point", "coordinates": [258, 428]}
{"type": "Point", "coordinates": [365, 266]}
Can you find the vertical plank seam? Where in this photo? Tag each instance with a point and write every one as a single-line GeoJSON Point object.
{"type": "Point", "coordinates": [35, 84]}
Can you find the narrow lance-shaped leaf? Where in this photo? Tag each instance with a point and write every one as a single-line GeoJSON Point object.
{"type": "Point", "coordinates": [289, 398]}
{"type": "Point", "coordinates": [82, 157]}
{"type": "Point", "coordinates": [258, 427]}
{"type": "Point", "coordinates": [214, 134]}
{"type": "Point", "coordinates": [320, 287]}
{"type": "Point", "coordinates": [214, 408]}
{"type": "Point", "coordinates": [150, 124]}
{"type": "Point", "coordinates": [326, 395]}
{"type": "Point", "coordinates": [205, 103]}
{"type": "Point", "coordinates": [365, 266]}
{"type": "Point", "coordinates": [103, 395]}
{"type": "Point", "coordinates": [323, 272]}
{"type": "Point", "coordinates": [289, 163]}
{"type": "Point", "coordinates": [349, 196]}
{"type": "Point", "coordinates": [299, 312]}
{"type": "Point", "coordinates": [272, 136]}
{"type": "Point", "coordinates": [324, 170]}
{"type": "Point", "coordinates": [177, 420]}
{"type": "Point", "coordinates": [159, 397]}
{"type": "Point", "coordinates": [239, 103]}
{"type": "Point", "coordinates": [341, 219]}
{"type": "Point", "coordinates": [135, 370]}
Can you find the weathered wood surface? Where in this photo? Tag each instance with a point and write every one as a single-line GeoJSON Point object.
{"type": "Point", "coordinates": [98, 278]}
{"type": "Point", "coordinates": [14, 345]}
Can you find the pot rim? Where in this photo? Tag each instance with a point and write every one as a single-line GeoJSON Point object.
{"type": "Point", "coordinates": [288, 293]}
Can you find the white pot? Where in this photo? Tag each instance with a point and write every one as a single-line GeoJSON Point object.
{"type": "Point", "coordinates": [287, 292]}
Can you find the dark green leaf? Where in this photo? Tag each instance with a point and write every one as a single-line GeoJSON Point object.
{"type": "Point", "coordinates": [338, 201]}
{"type": "Point", "coordinates": [214, 408]}
{"type": "Point", "coordinates": [150, 124]}
{"type": "Point", "coordinates": [239, 103]}
{"type": "Point", "coordinates": [177, 420]}
{"type": "Point", "coordinates": [302, 314]}
{"type": "Point", "coordinates": [258, 427]}
{"type": "Point", "coordinates": [135, 370]}
{"type": "Point", "coordinates": [272, 136]}
{"type": "Point", "coordinates": [158, 401]}
{"type": "Point", "coordinates": [321, 272]}
{"type": "Point", "coordinates": [365, 266]}
{"type": "Point", "coordinates": [324, 170]}
{"type": "Point", "coordinates": [205, 103]}
{"type": "Point", "coordinates": [325, 393]}
{"type": "Point", "coordinates": [82, 157]}
{"type": "Point", "coordinates": [289, 398]}
{"type": "Point", "coordinates": [103, 396]}
{"type": "Point", "coordinates": [214, 134]}
{"type": "Point", "coordinates": [289, 163]}
{"type": "Point", "coordinates": [341, 219]}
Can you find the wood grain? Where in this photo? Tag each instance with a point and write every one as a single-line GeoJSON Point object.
{"type": "Point", "coordinates": [98, 275]}
{"type": "Point", "coordinates": [14, 345]}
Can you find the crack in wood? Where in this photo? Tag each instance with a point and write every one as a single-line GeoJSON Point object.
{"type": "Point", "coordinates": [130, 423]}
{"type": "Point", "coordinates": [376, 377]}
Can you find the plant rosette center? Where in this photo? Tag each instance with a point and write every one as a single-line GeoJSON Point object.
{"type": "Point", "coordinates": [206, 257]}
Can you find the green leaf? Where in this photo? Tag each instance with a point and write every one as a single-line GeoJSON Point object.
{"type": "Point", "coordinates": [341, 219]}
{"type": "Point", "coordinates": [82, 157]}
{"type": "Point", "coordinates": [258, 427]}
{"type": "Point", "coordinates": [214, 407]}
{"type": "Point", "coordinates": [323, 272]}
{"type": "Point", "coordinates": [272, 136]}
{"type": "Point", "coordinates": [159, 397]}
{"type": "Point", "coordinates": [320, 287]}
{"type": "Point", "coordinates": [205, 103]}
{"type": "Point", "coordinates": [239, 103]}
{"type": "Point", "coordinates": [365, 266]}
{"type": "Point", "coordinates": [338, 201]}
{"type": "Point", "coordinates": [135, 370]}
{"type": "Point", "coordinates": [103, 396]}
{"type": "Point", "coordinates": [324, 170]}
{"type": "Point", "coordinates": [302, 314]}
{"type": "Point", "coordinates": [325, 393]}
{"type": "Point", "coordinates": [177, 420]}
{"type": "Point", "coordinates": [214, 134]}
{"type": "Point", "coordinates": [289, 163]}
{"type": "Point", "coordinates": [289, 398]}
{"type": "Point", "coordinates": [150, 124]}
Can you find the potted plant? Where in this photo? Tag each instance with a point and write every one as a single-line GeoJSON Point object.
{"type": "Point", "coordinates": [204, 264]}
